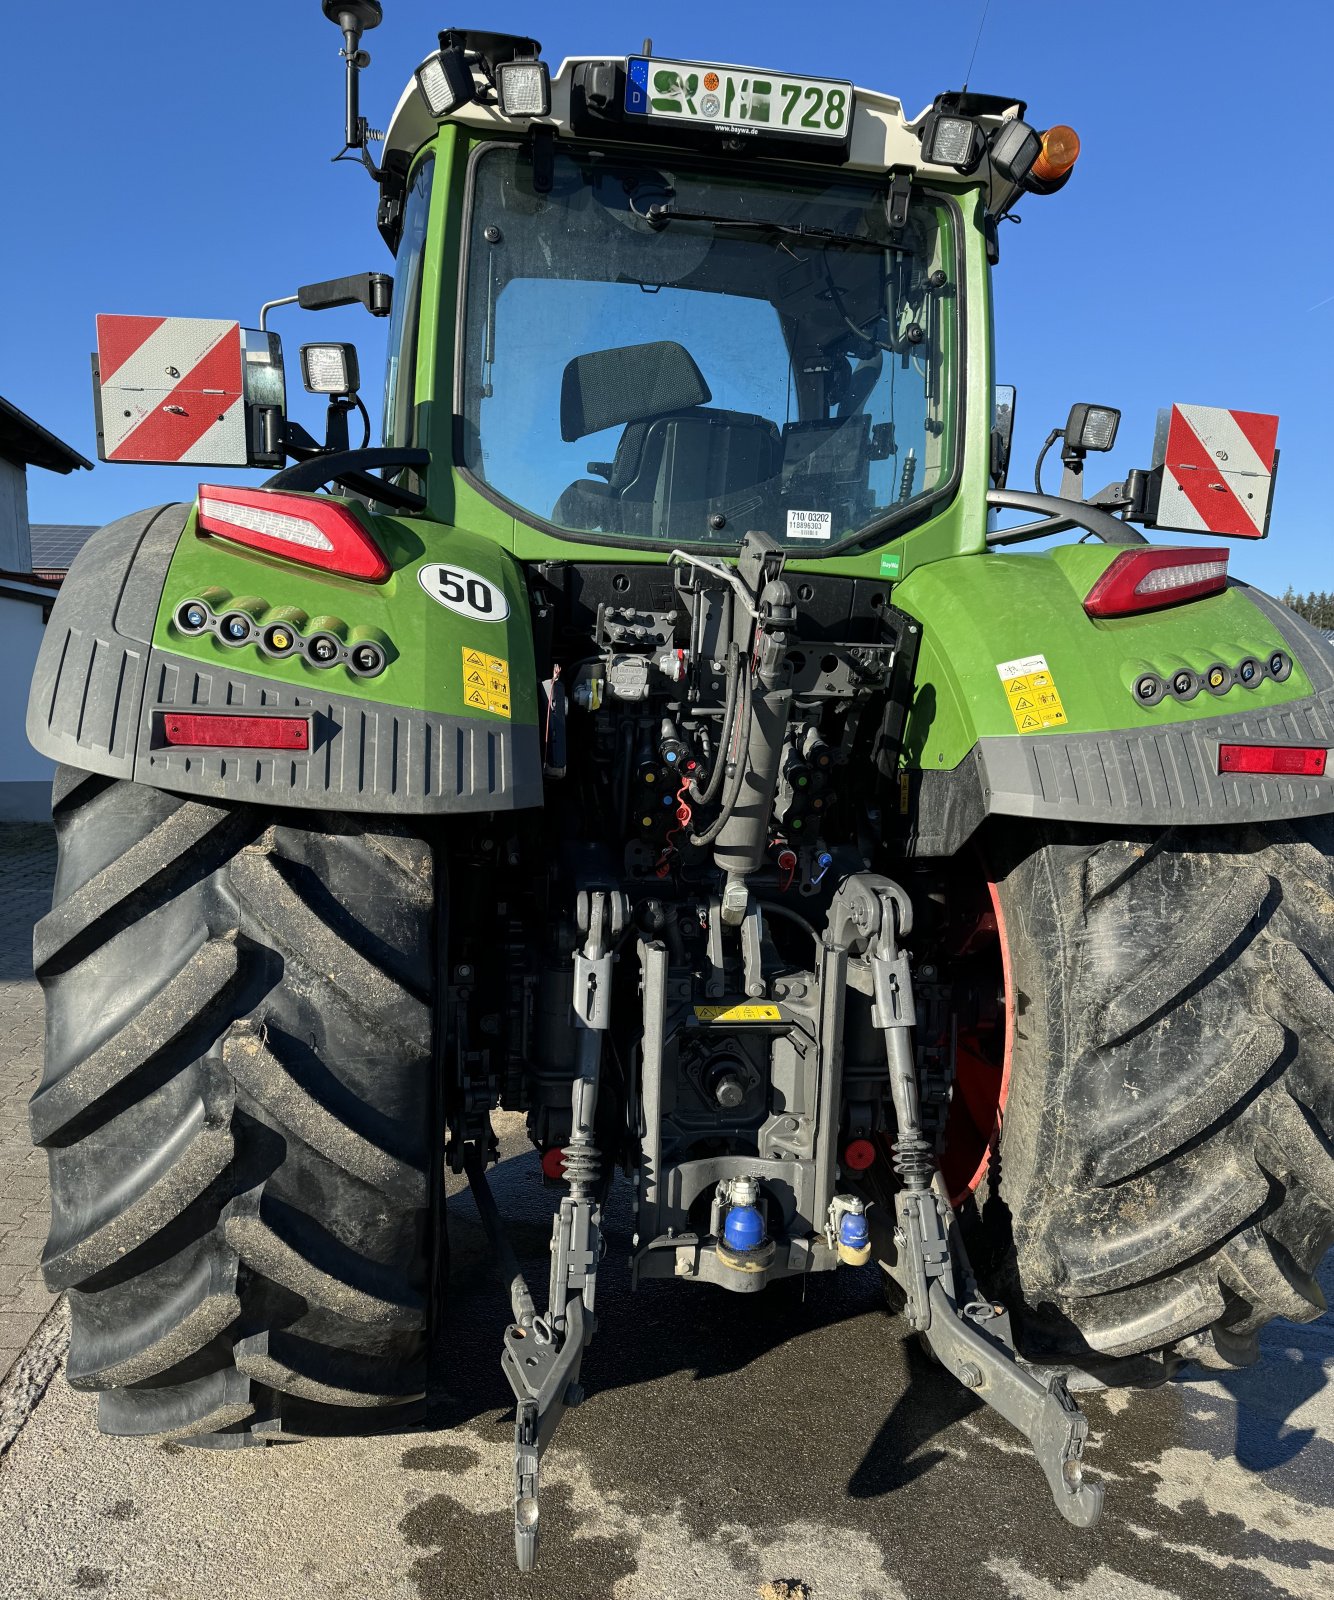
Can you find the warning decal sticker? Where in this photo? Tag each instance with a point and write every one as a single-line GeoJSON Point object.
{"type": "Point", "coordinates": [486, 682]}
{"type": "Point", "coordinates": [1035, 701]}
{"type": "Point", "coordinates": [739, 1013]}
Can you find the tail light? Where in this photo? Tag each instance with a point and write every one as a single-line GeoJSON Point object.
{"type": "Point", "coordinates": [1144, 580]}
{"type": "Point", "coordinates": [215, 728]}
{"type": "Point", "coordinates": [311, 529]}
{"type": "Point", "coordinates": [1279, 760]}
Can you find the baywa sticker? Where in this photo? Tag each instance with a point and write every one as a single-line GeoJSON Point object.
{"type": "Point", "coordinates": [1030, 688]}
{"type": "Point", "coordinates": [465, 592]}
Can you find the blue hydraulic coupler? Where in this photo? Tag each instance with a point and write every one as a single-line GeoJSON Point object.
{"type": "Point", "coordinates": [853, 1231]}
{"type": "Point", "coordinates": [743, 1229]}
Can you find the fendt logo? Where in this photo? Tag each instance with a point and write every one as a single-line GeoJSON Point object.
{"type": "Point", "coordinates": [170, 389]}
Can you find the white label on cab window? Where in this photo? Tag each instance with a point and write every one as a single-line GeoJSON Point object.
{"type": "Point", "coordinates": [810, 524]}
{"type": "Point", "coordinates": [463, 591]}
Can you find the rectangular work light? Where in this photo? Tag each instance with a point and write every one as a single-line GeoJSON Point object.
{"type": "Point", "coordinates": [524, 88]}
{"type": "Point", "coordinates": [445, 81]}
{"type": "Point", "coordinates": [951, 141]}
{"type": "Point", "coordinates": [1091, 427]}
{"type": "Point", "coordinates": [330, 368]}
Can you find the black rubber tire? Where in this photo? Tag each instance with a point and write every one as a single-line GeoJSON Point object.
{"type": "Point", "coordinates": [1167, 1154]}
{"type": "Point", "coordinates": [237, 1106]}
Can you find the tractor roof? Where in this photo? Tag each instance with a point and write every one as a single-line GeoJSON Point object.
{"type": "Point", "coordinates": [880, 138]}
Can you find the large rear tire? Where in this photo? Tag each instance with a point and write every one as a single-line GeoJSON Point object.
{"type": "Point", "coordinates": [238, 1107]}
{"type": "Point", "coordinates": [1167, 1154]}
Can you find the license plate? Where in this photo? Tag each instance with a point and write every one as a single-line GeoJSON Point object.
{"type": "Point", "coordinates": [737, 98]}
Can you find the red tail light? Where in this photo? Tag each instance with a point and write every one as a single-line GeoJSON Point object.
{"type": "Point", "coordinates": [1144, 580]}
{"type": "Point", "coordinates": [214, 728]}
{"type": "Point", "coordinates": [312, 529]}
{"type": "Point", "coordinates": [1287, 760]}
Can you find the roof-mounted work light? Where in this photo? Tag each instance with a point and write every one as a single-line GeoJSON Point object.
{"type": "Point", "coordinates": [951, 141]}
{"type": "Point", "coordinates": [1013, 150]}
{"type": "Point", "coordinates": [445, 81]}
{"type": "Point", "coordinates": [524, 87]}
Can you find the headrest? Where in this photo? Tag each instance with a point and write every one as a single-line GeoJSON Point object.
{"type": "Point", "coordinates": [628, 384]}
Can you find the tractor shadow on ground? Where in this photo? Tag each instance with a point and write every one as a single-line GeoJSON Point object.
{"type": "Point", "coordinates": [1297, 1363]}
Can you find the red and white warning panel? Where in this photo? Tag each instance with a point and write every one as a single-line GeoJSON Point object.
{"type": "Point", "coordinates": [1216, 469]}
{"type": "Point", "coordinates": [171, 389]}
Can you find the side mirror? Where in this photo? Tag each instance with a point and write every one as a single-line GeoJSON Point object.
{"type": "Point", "coordinates": [1002, 433]}
{"type": "Point", "coordinates": [188, 390]}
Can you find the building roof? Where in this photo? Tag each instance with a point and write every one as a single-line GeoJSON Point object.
{"type": "Point", "coordinates": [30, 445]}
{"type": "Point", "coordinates": [55, 545]}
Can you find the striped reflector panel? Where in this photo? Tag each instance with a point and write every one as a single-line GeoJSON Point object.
{"type": "Point", "coordinates": [171, 390]}
{"type": "Point", "coordinates": [1218, 471]}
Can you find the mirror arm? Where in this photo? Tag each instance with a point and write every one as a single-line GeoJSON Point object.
{"type": "Point", "coordinates": [1058, 516]}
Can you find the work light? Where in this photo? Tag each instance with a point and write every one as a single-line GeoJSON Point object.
{"type": "Point", "coordinates": [330, 368]}
{"type": "Point", "coordinates": [951, 141]}
{"type": "Point", "coordinates": [1014, 148]}
{"type": "Point", "coordinates": [1091, 427]}
{"type": "Point", "coordinates": [524, 88]}
{"type": "Point", "coordinates": [446, 82]}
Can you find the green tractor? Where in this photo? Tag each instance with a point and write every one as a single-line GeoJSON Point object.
{"type": "Point", "coordinates": [738, 803]}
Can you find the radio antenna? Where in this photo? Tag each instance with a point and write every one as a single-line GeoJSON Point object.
{"type": "Point", "coordinates": [981, 23]}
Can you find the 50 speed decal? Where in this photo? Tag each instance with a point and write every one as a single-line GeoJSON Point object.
{"type": "Point", "coordinates": [468, 593]}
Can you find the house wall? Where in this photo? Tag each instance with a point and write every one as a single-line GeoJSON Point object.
{"type": "Point", "coordinates": [15, 547]}
{"type": "Point", "coordinates": [25, 777]}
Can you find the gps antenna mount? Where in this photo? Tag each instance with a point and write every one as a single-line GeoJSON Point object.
{"type": "Point", "coordinates": [352, 18]}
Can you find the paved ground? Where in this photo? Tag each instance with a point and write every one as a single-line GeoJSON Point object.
{"type": "Point", "coordinates": [729, 1448]}
{"type": "Point", "coordinates": [27, 861]}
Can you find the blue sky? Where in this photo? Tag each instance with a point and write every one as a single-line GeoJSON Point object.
{"type": "Point", "coordinates": [173, 158]}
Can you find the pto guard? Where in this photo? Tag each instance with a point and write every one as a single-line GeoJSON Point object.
{"type": "Point", "coordinates": [1074, 744]}
{"type": "Point", "coordinates": [404, 743]}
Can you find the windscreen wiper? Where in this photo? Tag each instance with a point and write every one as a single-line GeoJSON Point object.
{"type": "Point", "coordinates": [658, 216]}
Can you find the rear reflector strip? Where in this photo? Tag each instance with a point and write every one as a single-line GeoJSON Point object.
{"type": "Point", "coordinates": [1286, 760]}
{"type": "Point", "coordinates": [236, 733]}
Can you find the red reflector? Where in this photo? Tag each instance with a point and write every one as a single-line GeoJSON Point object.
{"type": "Point", "coordinates": [311, 529]}
{"type": "Point", "coordinates": [1145, 580]}
{"type": "Point", "coordinates": [859, 1154]}
{"type": "Point", "coordinates": [553, 1161]}
{"type": "Point", "coordinates": [236, 733]}
{"type": "Point", "coordinates": [1291, 760]}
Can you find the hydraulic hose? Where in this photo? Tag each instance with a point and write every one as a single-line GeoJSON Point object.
{"type": "Point", "coordinates": [733, 793]}
{"type": "Point", "coordinates": [706, 794]}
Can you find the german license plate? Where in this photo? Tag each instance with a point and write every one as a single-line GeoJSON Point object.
{"type": "Point", "coordinates": [740, 98]}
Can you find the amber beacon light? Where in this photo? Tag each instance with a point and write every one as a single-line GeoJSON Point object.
{"type": "Point", "coordinates": [1060, 151]}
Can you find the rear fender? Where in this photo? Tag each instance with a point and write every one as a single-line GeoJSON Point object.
{"type": "Point", "coordinates": [410, 741]}
{"type": "Point", "coordinates": [1069, 739]}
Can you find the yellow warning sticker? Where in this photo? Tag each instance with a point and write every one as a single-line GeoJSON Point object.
{"type": "Point", "coordinates": [1030, 688]}
{"type": "Point", "coordinates": [739, 1013]}
{"type": "Point", "coordinates": [486, 682]}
